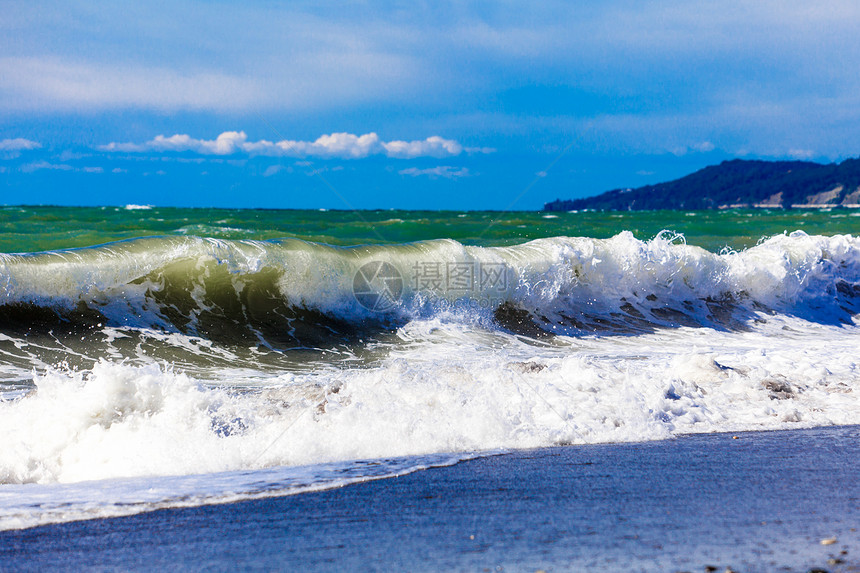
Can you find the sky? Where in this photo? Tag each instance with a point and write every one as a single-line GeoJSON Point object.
{"type": "Point", "coordinates": [461, 105]}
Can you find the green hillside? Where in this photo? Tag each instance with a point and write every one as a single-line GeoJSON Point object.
{"type": "Point", "coordinates": [737, 183]}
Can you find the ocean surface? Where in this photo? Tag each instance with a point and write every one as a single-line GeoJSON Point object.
{"type": "Point", "coordinates": [154, 357]}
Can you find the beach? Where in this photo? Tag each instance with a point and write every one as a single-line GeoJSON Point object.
{"type": "Point", "coordinates": [748, 502]}
{"type": "Point", "coordinates": [204, 395]}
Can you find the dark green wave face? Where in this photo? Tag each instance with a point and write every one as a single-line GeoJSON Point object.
{"type": "Point", "coordinates": [292, 286]}
{"type": "Point", "coordinates": [290, 295]}
{"type": "Point", "coordinates": [29, 229]}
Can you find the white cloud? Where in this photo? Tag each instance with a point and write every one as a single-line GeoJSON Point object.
{"type": "Point", "coordinates": [40, 165]}
{"type": "Point", "coordinates": [18, 144]}
{"type": "Point", "coordinates": [340, 145]}
{"type": "Point", "coordinates": [801, 153]}
{"type": "Point", "coordinates": [37, 165]}
{"type": "Point", "coordinates": [484, 150]}
{"type": "Point", "coordinates": [275, 169]}
{"type": "Point", "coordinates": [226, 143]}
{"type": "Point", "coordinates": [431, 147]}
{"type": "Point", "coordinates": [345, 145]}
{"type": "Point", "coordinates": [445, 171]}
{"type": "Point", "coordinates": [59, 84]}
{"type": "Point", "coordinates": [702, 147]}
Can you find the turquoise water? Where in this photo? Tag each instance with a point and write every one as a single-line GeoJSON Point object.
{"type": "Point", "coordinates": [28, 229]}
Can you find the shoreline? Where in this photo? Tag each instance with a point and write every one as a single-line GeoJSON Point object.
{"type": "Point", "coordinates": [761, 502]}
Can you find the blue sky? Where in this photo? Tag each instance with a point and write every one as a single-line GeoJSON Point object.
{"type": "Point", "coordinates": [462, 105]}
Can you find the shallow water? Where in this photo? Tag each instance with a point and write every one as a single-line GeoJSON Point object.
{"type": "Point", "coordinates": [759, 501]}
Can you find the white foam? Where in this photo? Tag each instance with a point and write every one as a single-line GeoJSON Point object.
{"type": "Point", "coordinates": [447, 387]}
{"type": "Point", "coordinates": [451, 382]}
{"type": "Point", "coordinates": [782, 272]}
{"type": "Point", "coordinates": [30, 505]}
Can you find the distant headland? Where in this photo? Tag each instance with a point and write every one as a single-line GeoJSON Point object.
{"type": "Point", "coordinates": [737, 183]}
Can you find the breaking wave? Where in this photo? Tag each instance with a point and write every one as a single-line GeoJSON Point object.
{"type": "Point", "coordinates": [446, 351]}
{"type": "Point", "coordinates": [292, 293]}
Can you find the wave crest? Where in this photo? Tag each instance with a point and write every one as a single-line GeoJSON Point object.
{"type": "Point", "coordinates": [292, 292]}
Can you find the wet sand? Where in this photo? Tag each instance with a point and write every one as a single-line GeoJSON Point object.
{"type": "Point", "coordinates": [763, 501]}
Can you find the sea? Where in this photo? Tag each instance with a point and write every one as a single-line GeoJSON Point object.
{"type": "Point", "coordinates": [168, 357]}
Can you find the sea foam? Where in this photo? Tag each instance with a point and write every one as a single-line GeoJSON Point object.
{"type": "Point", "coordinates": [584, 341]}
{"type": "Point", "coordinates": [120, 420]}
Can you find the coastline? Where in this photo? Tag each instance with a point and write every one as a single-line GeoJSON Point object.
{"type": "Point", "coordinates": [763, 501]}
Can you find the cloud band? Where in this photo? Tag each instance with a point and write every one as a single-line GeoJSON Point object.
{"type": "Point", "coordinates": [339, 145]}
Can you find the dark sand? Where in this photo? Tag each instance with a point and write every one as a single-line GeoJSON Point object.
{"type": "Point", "coordinates": [762, 502]}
